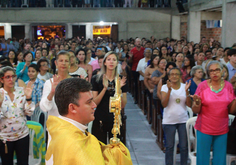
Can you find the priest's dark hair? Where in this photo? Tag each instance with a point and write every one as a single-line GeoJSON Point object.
{"type": "Point", "coordinates": [67, 92]}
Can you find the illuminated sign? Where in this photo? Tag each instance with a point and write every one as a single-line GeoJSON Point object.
{"type": "Point", "coordinates": [101, 30]}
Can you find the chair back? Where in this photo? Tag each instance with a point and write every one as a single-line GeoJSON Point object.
{"type": "Point", "coordinates": [190, 128]}
{"type": "Point", "coordinates": [31, 142]}
{"type": "Point", "coordinates": [37, 149]}
{"type": "Point", "coordinates": [231, 119]}
{"type": "Point", "coordinates": [190, 112]}
{"type": "Point", "coordinates": [36, 117]}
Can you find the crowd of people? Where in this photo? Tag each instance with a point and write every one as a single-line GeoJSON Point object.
{"type": "Point", "coordinates": [86, 3]}
{"type": "Point", "coordinates": [179, 73]}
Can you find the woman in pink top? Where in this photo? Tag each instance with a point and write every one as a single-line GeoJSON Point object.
{"type": "Point", "coordinates": [213, 101]}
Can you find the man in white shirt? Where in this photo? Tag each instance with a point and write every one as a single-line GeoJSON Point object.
{"type": "Point", "coordinates": [142, 64]}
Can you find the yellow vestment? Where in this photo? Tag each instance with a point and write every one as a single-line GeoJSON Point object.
{"type": "Point", "coordinates": [69, 146]}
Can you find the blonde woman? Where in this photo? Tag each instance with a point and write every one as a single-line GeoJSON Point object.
{"type": "Point", "coordinates": [103, 88]}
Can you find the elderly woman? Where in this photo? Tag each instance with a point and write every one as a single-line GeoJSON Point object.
{"type": "Point", "coordinates": [213, 100]}
{"type": "Point", "coordinates": [174, 99]}
{"type": "Point", "coordinates": [15, 104]}
{"type": "Point", "coordinates": [197, 77]}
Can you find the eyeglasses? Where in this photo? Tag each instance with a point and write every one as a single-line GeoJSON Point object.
{"type": "Point", "coordinates": [8, 77]}
{"type": "Point", "coordinates": [174, 74]}
{"type": "Point", "coordinates": [211, 71]}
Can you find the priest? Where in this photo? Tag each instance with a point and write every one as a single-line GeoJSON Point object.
{"type": "Point", "coordinates": [69, 142]}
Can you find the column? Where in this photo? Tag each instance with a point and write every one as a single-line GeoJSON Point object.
{"type": "Point", "coordinates": [28, 31]}
{"type": "Point", "coordinates": [7, 30]}
{"type": "Point", "coordinates": [69, 33]}
{"type": "Point", "coordinates": [89, 31]}
{"type": "Point", "coordinates": [194, 27]}
{"type": "Point", "coordinates": [228, 24]}
{"type": "Point", "coordinates": [175, 27]}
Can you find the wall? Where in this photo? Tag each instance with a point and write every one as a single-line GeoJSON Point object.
{"type": "Point", "coordinates": [207, 32]}
{"type": "Point", "coordinates": [132, 22]}
{"type": "Point", "coordinates": [210, 32]}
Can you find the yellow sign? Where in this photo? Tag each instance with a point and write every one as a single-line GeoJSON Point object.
{"type": "Point", "coordinates": [101, 30]}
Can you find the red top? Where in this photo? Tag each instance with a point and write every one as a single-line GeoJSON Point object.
{"type": "Point", "coordinates": [213, 117]}
{"type": "Point", "coordinates": [137, 55]}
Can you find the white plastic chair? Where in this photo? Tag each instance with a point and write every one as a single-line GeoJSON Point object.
{"type": "Point", "coordinates": [32, 160]}
{"type": "Point", "coordinates": [190, 127]}
{"type": "Point", "coordinates": [192, 138]}
{"type": "Point", "coordinates": [229, 157]}
{"type": "Point", "coordinates": [36, 117]}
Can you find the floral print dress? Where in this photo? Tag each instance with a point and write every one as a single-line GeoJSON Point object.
{"type": "Point", "coordinates": [13, 116]}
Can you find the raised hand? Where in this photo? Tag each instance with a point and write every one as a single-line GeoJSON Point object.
{"type": "Point", "coordinates": [187, 85]}
{"type": "Point", "coordinates": [28, 90]}
{"type": "Point", "coordinates": [151, 90]}
{"type": "Point", "coordinates": [196, 100]}
{"type": "Point", "coordinates": [169, 85]}
{"type": "Point", "coordinates": [1, 96]}
{"type": "Point", "coordinates": [105, 81]}
{"type": "Point", "coordinates": [130, 54]}
{"type": "Point", "coordinates": [122, 81]}
{"type": "Point", "coordinates": [123, 66]}
{"type": "Point", "coordinates": [164, 74]}
{"type": "Point", "coordinates": [56, 80]}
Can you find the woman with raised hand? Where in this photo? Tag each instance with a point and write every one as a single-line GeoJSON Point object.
{"type": "Point", "coordinates": [213, 100]}
{"type": "Point", "coordinates": [22, 68]}
{"type": "Point", "coordinates": [47, 103]}
{"type": "Point", "coordinates": [103, 88]}
{"type": "Point", "coordinates": [174, 98]}
{"type": "Point", "coordinates": [16, 103]}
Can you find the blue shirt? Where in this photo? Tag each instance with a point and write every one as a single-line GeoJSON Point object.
{"type": "Point", "coordinates": [37, 90]}
{"type": "Point", "coordinates": [193, 86]}
{"type": "Point", "coordinates": [232, 70]}
{"type": "Point", "coordinates": [23, 75]}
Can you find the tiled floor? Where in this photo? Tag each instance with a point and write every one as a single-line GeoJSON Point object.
{"type": "Point", "coordinates": [141, 141]}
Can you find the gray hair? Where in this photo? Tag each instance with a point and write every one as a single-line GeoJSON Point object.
{"type": "Point", "coordinates": [137, 39]}
{"type": "Point", "coordinates": [104, 68]}
{"type": "Point", "coordinates": [212, 63]}
{"type": "Point", "coordinates": [5, 69]}
{"type": "Point", "coordinates": [146, 50]}
{"type": "Point", "coordinates": [194, 69]}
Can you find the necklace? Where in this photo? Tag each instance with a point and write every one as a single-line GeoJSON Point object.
{"type": "Point", "coordinates": [217, 91]}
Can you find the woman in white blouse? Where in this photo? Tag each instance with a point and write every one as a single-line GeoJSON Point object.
{"type": "Point", "coordinates": [174, 98]}
{"type": "Point", "coordinates": [15, 104]}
